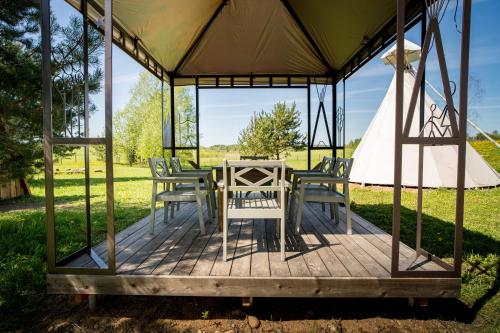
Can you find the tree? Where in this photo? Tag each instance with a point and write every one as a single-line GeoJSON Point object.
{"type": "Point", "coordinates": [21, 151]}
{"type": "Point", "coordinates": [20, 107]}
{"type": "Point", "coordinates": [138, 127]}
{"type": "Point", "coordinates": [252, 138]}
{"type": "Point", "coordinates": [274, 134]}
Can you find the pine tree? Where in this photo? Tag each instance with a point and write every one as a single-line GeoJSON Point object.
{"type": "Point", "coordinates": [21, 151]}
{"type": "Point", "coordinates": [273, 134]}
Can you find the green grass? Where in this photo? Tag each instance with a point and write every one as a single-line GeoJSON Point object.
{"type": "Point", "coordinates": [490, 153]}
{"type": "Point", "coordinates": [23, 249]}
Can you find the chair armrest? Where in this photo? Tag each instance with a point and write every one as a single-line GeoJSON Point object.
{"type": "Point", "coordinates": [317, 167]}
{"type": "Point", "coordinates": [176, 179]}
{"type": "Point", "coordinates": [306, 173]}
{"type": "Point", "coordinates": [287, 184]}
{"type": "Point", "coordinates": [192, 173]}
{"type": "Point", "coordinates": [324, 179]}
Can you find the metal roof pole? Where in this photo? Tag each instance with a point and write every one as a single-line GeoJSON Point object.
{"type": "Point", "coordinates": [198, 121]}
{"type": "Point", "coordinates": [464, 82]}
{"type": "Point", "coordinates": [86, 122]}
{"type": "Point", "coordinates": [418, 241]}
{"type": "Point", "coordinates": [47, 135]}
{"type": "Point", "coordinates": [334, 115]}
{"type": "Point", "coordinates": [172, 115]}
{"type": "Point", "coordinates": [162, 116]}
{"type": "Point", "coordinates": [398, 147]}
{"type": "Point", "coordinates": [108, 121]}
{"type": "Point", "coordinates": [308, 123]}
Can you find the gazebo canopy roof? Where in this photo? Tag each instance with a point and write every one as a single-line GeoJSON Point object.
{"type": "Point", "coordinates": [187, 38]}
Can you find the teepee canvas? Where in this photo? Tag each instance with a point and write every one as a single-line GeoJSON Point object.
{"type": "Point", "coordinates": [374, 157]}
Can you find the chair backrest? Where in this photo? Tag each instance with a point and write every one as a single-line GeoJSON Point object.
{"type": "Point", "coordinates": [327, 165]}
{"type": "Point", "coordinates": [342, 168]}
{"type": "Point", "coordinates": [268, 172]}
{"type": "Point", "coordinates": [253, 158]}
{"type": "Point", "coordinates": [175, 163]}
{"type": "Point", "coordinates": [158, 166]}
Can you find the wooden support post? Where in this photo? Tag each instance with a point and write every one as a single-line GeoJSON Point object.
{"type": "Point", "coordinates": [92, 302]}
{"type": "Point", "coordinates": [418, 302]}
{"type": "Point", "coordinates": [247, 301]}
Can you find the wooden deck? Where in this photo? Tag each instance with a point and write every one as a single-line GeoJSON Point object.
{"type": "Point", "coordinates": [321, 262]}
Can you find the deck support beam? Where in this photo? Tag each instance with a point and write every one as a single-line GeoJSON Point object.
{"type": "Point", "coordinates": [223, 286]}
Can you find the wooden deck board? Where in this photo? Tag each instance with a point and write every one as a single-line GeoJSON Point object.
{"type": "Point", "coordinates": [320, 260]}
{"type": "Point", "coordinates": [260, 256]}
{"type": "Point", "coordinates": [276, 266]}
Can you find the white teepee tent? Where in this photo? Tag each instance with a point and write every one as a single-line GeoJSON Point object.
{"type": "Point", "coordinates": [374, 157]}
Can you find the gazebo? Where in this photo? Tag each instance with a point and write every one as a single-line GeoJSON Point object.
{"type": "Point", "coordinates": [230, 44]}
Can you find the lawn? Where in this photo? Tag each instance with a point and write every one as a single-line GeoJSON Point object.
{"type": "Point", "coordinates": [22, 231]}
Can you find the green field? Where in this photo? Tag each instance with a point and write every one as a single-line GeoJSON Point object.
{"type": "Point", "coordinates": [22, 231]}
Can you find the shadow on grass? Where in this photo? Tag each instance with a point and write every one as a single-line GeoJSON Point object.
{"type": "Point", "coordinates": [438, 239]}
{"type": "Point", "coordinates": [437, 235]}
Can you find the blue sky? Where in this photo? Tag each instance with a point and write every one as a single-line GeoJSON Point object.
{"type": "Point", "coordinates": [224, 112]}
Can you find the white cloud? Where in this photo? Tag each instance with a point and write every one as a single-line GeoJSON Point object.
{"type": "Point", "coordinates": [363, 91]}
{"type": "Point", "coordinates": [485, 107]}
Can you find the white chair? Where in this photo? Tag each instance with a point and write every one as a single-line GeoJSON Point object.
{"type": "Point", "coordinates": [324, 168]}
{"type": "Point", "coordinates": [197, 194]}
{"type": "Point", "coordinates": [309, 191]}
{"type": "Point", "coordinates": [205, 174]}
{"type": "Point", "coordinates": [254, 207]}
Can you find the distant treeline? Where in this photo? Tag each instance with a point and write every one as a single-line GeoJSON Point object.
{"type": "Point", "coordinates": [224, 148]}
{"type": "Point", "coordinates": [479, 137]}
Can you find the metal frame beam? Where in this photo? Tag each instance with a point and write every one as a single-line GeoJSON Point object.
{"type": "Point", "coordinates": [197, 123]}
{"type": "Point", "coordinates": [308, 36]}
{"type": "Point", "coordinates": [49, 142]}
{"type": "Point", "coordinates": [86, 121]}
{"type": "Point", "coordinates": [454, 271]}
{"type": "Point", "coordinates": [121, 39]}
{"type": "Point", "coordinates": [172, 116]}
{"type": "Point", "coordinates": [383, 38]}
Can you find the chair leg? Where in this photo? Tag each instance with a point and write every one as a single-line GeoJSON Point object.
{"type": "Point", "coordinates": [224, 237]}
{"type": "Point", "coordinates": [209, 208]}
{"type": "Point", "coordinates": [299, 212]}
{"type": "Point", "coordinates": [152, 219]}
{"type": "Point", "coordinates": [291, 200]}
{"type": "Point", "coordinates": [282, 237]}
{"type": "Point", "coordinates": [337, 214]}
{"type": "Point", "coordinates": [323, 206]}
{"type": "Point", "coordinates": [165, 212]}
{"type": "Point", "coordinates": [172, 209]}
{"type": "Point", "coordinates": [332, 213]}
{"type": "Point", "coordinates": [348, 212]}
{"type": "Point", "coordinates": [178, 205]}
{"type": "Point", "coordinates": [278, 227]}
{"type": "Point", "coordinates": [200, 215]}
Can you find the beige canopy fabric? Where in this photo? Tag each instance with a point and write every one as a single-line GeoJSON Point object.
{"type": "Point", "coordinates": [188, 38]}
{"type": "Point", "coordinates": [253, 36]}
